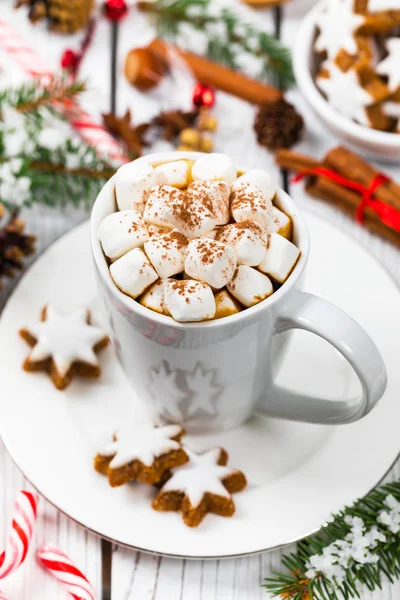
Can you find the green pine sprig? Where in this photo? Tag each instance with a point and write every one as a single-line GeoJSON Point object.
{"type": "Point", "coordinates": [297, 584]}
{"type": "Point", "coordinates": [68, 173]}
{"type": "Point", "coordinates": [238, 37]}
{"type": "Point", "coordinates": [30, 96]}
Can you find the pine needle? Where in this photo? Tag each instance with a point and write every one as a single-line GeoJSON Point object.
{"type": "Point", "coordinates": [234, 39]}
{"type": "Point", "coordinates": [296, 584]}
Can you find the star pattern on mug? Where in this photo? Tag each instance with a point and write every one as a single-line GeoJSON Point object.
{"type": "Point", "coordinates": [182, 394]}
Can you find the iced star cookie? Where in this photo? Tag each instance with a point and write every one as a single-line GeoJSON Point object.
{"type": "Point", "coordinates": [390, 66]}
{"type": "Point", "coordinates": [337, 26]}
{"type": "Point", "coordinates": [64, 345]}
{"type": "Point", "coordinates": [202, 485]}
{"type": "Point", "coordinates": [356, 93]}
{"type": "Point", "coordinates": [141, 453]}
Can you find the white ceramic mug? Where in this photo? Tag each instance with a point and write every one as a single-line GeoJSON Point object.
{"type": "Point", "coordinates": [212, 375]}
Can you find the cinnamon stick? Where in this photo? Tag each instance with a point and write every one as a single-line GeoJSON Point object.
{"type": "Point", "coordinates": [208, 72]}
{"type": "Point", "coordinates": [293, 161]}
{"type": "Point", "coordinates": [353, 167]}
{"type": "Point", "coordinates": [348, 201]}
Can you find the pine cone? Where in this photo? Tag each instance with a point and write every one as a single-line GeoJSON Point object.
{"type": "Point", "coordinates": [278, 125]}
{"type": "Point", "coordinates": [15, 245]}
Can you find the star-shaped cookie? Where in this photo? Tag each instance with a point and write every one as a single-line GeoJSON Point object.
{"type": "Point", "coordinates": [344, 92]}
{"type": "Point", "coordinates": [202, 485]}
{"type": "Point", "coordinates": [390, 66]}
{"type": "Point", "coordinates": [337, 26]}
{"type": "Point", "coordinates": [141, 452]}
{"type": "Point", "coordinates": [64, 345]}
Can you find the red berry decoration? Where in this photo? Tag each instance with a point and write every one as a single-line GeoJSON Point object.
{"type": "Point", "coordinates": [69, 60]}
{"type": "Point", "coordinates": [115, 10]}
{"type": "Point", "coordinates": [203, 96]}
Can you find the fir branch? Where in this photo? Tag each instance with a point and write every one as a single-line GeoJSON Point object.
{"type": "Point", "coordinates": [91, 173]}
{"type": "Point", "coordinates": [228, 37]}
{"type": "Point", "coordinates": [30, 96]}
{"type": "Point", "coordinates": [376, 519]}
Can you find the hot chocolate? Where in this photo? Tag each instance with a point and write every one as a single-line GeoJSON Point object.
{"type": "Point", "coordinates": [197, 240]}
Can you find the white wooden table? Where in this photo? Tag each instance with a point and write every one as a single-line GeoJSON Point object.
{"type": "Point", "coordinates": [118, 573]}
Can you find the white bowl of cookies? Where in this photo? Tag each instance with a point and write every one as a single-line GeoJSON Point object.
{"type": "Point", "coordinates": [346, 62]}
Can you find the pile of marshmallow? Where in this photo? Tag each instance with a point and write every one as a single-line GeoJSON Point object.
{"type": "Point", "coordinates": [195, 241]}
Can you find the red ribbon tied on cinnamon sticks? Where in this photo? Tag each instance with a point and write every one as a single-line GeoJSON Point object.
{"type": "Point", "coordinates": [386, 213]}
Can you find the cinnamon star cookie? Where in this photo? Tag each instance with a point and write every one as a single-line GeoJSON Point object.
{"type": "Point", "coordinates": [141, 453]}
{"type": "Point", "coordinates": [64, 345]}
{"type": "Point", "coordinates": [202, 485]}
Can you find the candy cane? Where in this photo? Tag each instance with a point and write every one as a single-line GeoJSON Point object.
{"type": "Point", "coordinates": [19, 539]}
{"type": "Point", "coordinates": [65, 571]}
{"type": "Point", "coordinates": [91, 131]}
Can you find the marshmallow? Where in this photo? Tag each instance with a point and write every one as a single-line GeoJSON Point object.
{"type": "Point", "coordinates": [225, 305]}
{"type": "Point", "coordinates": [249, 286]}
{"type": "Point", "coordinates": [132, 183]}
{"type": "Point", "coordinates": [246, 238]}
{"type": "Point", "coordinates": [214, 195]}
{"type": "Point", "coordinates": [122, 231]}
{"type": "Point", "coordinates": [175, 173]}
{"type": "Point", "coordinates": [210, 261]}
{"type": "Point", "coordinates": [189, 300]}
{"type": "Point", "coordinates": [167, 252]}
{"type": "Point", "coordinates": [153, 297]}
{"type": "Point", "coordinates": [159, 197]}
{"type": "Point", "coordinates": [133, 273]}
{"type": "Point", "coordinates": [259, 179]}
{"type": "Point", "coordinates": [155, 230]}
{"type": "Point", "coordinates": [280, 258]}
{"type": "Point", "coordinates": [283, 223]}
{"type": "Point", "coordinates": [216, 167]}
{"type": "Point", "coordinates": [248, 204]}
{"type": "Point", "coordinates": [190, 216]}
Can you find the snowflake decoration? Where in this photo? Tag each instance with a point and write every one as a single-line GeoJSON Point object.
{"type": "Point", "coordinates": [337, 25]}
{"type": "Point", "coordinates": [390, 66]}
{"type": "Point", "coordinates": [343, 92]}
{"type": "Point", "coordinates": [142, 442]}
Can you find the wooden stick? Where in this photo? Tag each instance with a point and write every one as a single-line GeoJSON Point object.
{"type": "Point", "coordinates": [218, 76]}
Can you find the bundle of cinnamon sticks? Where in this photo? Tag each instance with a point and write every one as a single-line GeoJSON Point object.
{"type": "Point", "coordinates": [349, 165]}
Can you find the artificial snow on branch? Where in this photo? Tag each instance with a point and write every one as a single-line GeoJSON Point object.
{"type": "Point", "coordinates": [42, 160]}
{"type": "Point", "coordinates": [359, 547]}
{"type": "Point", "coordinates": [229, 39]}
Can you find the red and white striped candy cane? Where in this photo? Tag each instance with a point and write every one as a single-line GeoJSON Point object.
{"type": "Point", "coordinates": [19, 539]}
{"type": "Point", "coordinates": [67, 573]}
{"type": "Point", "coordinates": [28, 59]}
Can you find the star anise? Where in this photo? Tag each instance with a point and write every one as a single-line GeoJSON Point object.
{"type": "Point", "coordinates": [172, 122]}
{"type": "Point", "coordinates": [132, 137]}
{"type": "Point", "coordinates": [15, 245]}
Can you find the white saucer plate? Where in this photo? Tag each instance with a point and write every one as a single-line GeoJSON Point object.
{"type": "Point", "coordinates": [298, 474]}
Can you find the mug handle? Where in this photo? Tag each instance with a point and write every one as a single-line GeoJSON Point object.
{"type": "Point", "coordinates": [311, 313]}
